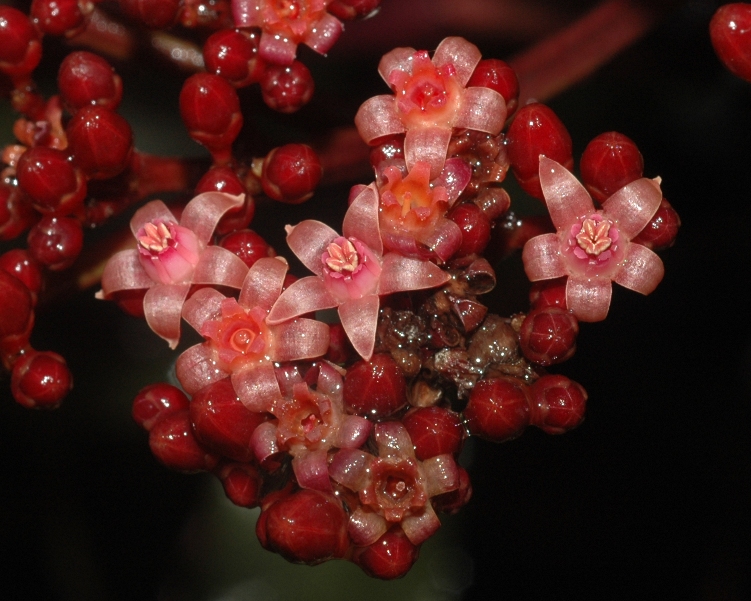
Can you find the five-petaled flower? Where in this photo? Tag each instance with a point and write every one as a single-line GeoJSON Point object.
{"type": "Point", "coordinates": [287, 23]}
{"type": "Point", "coordinates": [351, 272]}
{"type": "Point", "coordinates": [593, 247]}
{"type": "Point", "coordinates": [431, 98]}
{"type": "Point", "coordinates": [171, 256]}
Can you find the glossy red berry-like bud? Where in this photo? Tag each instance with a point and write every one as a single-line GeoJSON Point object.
{"type": "Point", "coordinates": [56, 242]}
{"type": "Point", "coordinates": [241, 482]}
{"type": "Point", "coordinates": [307, 526]}
{"type": "Point", "coordinates": [548, 335]}
{"type": "Point", "coordinates": [346, 10]}
{"type": "Point", "coordinates": [375, 388]}
{"type": "Point", "coordinates": [287, 89]}
{"type": "Point", "coordinates": [434, 431]}
{"type": "Point", "coordinates": [662, 230]}
{"type": "Point", "coordinates": [221, 422]}
{"type": "Point", "coordinates": [498, 409]}
{"type": "Point", "coordinates": [40, 379]}
{"type": "Point", "coordinates": [475, 228]}
{"type": "Point", "coordinates": [340, 349]}
{"type": "Point", "coordinates": [19, 263]}
{"type": "Point", "coordinates": [210, 109]}
{"type": "Point", "coordinates": [100, 142]}
{"type": "Point", "coordinates": [548, 293]}
{"type": "Point", "coordinates": [391, 556]}
{"type": "Point", "coordinates": [558, 404]}
{"type": "Point", "coordinates": [610, 161]}
{"type": "Point", "coordinates": [20, 48]}
{"type": "Point", "coordinates": [536, 130]}
{"type": "Point", "coordinates": [16, 303]}
{"type": "Point", "coordinates": [173, 443]}
{"type": "Point", "coordinates": [220, 179]}
{"type": "Point", "coordinates": [247, 245]}
{"type": "Point", "coordinates": [730, 32]}
{"type": "Point", "coordinates": [499, 76]}
{"type": "Point", "coordinates": [291, 173]}
{"type": "Point", "coordinates": [156, 14]}
{"type": "Point", "coordinates": [233, 55]}
{"type": "Point", "coordinates": [155, 401]}
{"type": "Point", "coordinates": [388, 151]}
{"type": "Point", "coordinates": [60, 17]}
{"type": "Point", "coordinates": [50, 180]}
{"type": "Point", "coordinates": [16, 213]}
{"type": "Point", "coordinates": [451, 502]}
{"type": "Point", "coordinates": [85, 79]}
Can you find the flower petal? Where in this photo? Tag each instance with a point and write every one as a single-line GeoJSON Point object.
{"type": "Point", "coordinates": [205, 210]}
{"type": "Point", "coordinates": [422, 526]}
{"type": "Point", "coordinates": [642, 270]}
{"type": "Point", "coordinates": [162, 307]}
{"type": "Point", "coordinates": [351, 468]}
{"type": "Point", "coordinates": [218, 266]}
{"type": "Point", "coordinates": [309, 240]}
{"type": "Point", "coordinates": [455, 176]}
{"type": "Point", "coordinates": [155, 210]}
{"type": "Point", "coordinates": [361, 219]}
{"type": "Point", "coordinates": [398, 58]}
{"type": "Point", "coordinates": [299, 339]}
{"type": "Point", "coordinates": [196, 368]}
{"type": "Point", "coordinates": [633, 206]}
{"type": "Point", "coordinates": [353, 432]}
{"type": "Point", "coordinates": [263, 284]}
{"type": "Point", "coordinates": [256, 386]}
{"type": "Point", "coordinates": [402, 273]}
{"type": "Point", "coordinates": [366, 527]}
{"type": "Point", "coordinates": [482, 109]}
{"type": "Point", "coordinates": [359, 319]}
{"type": "Point", "coordinates": [588, 299]}
{"type": "Point", "coordinates": [247, 13]}
{"type": "Point", "coordinates": [458, 52]}
{"type": "Point", "coordinates": [277, 49]}
{"type": "Point", "coordinates": [264, 442]}
{"type": "Point", "coordinates": [444, 239]}
{"type": "Point", "coordinates": [542, 259]}
{"type": "Point", "coordinates": [441, 474]}
{"type": "Point", "coordinates": [377, 117]}
{"type": "Point", "coordinates": [429, 144]}
{"type": "Point", "coordinates": [312, 470]}
{"type": "Point", "coordinates": [203, 305]}
{"type": "Point", "coordinates": [324, 33]}
{"type": "Point", "coordinates": [566, 198]}
{"type": "Point", "coordinates": [303, 296]}
{"type": "Point", "coordinates": [124, 272]}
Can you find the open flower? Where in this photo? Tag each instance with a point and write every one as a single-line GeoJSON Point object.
{"type": "Point", "coordinates": [413, 210]}
{"type": "Point", "coordinates": [351, 272]}
{"type": "Point", "coordinates": [594, 248]}
{"type": "Point", "coordinates": [240, 344]}
{"type": "Point", "coordinates": [287, 23]}
{"type": "Point", "coordinates": [393, 487]}
{"type": "Point", "coordinates": [172, 255]}
{"type": "Point", "coordinates": [431, 99]}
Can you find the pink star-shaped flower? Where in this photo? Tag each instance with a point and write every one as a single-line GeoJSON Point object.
{"type": "Point", "coordinates": [240, 344]}
{"type": "Point", "coordinates": [431, 98]}
{"type": "Point", "coordinates": [593, 248]}
{"type": "Point", "coordinates": [171, 256]}
{"type": "Point", "coordinates": [287, 23]}
{"type": "Point", "coordinates": [351, 272]}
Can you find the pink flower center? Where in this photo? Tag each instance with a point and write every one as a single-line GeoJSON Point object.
{"type": "Point", "coordinates": [593, 237]}
{"type": "Point", "coordinates": [341, 257]}
{"type": "Point", "coordinates": [167, 251]}
{"type": "Point", "coordinates": [395, 489]}
{"type": "Point", "coordinates": [593, 240]}
{"type": "Point", "coordinates": [156, 237]}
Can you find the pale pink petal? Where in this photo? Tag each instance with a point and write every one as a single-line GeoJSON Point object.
{"type": "Point", "coordinates": [642, 270]}
{"type": "Point", "coordinates": [205, 210]}
{"type": "Point", "coordinates": [303, 296]}
{"type": "Point", "coordinates": [377, 117]}
{"type": "Point", "coordinates": [155, 210]}
{"type": "Point", "coordinates": [256, 386]}
{"type": "Point", "coordinates": [542, 259]}
{"type": "Point", "coordinates": [482, 109]}
{"type": "Point", "coordinates": [633, 206]}
{"type": "Point", "coordinates": [359, 319]}
{"type": "Point", "coordinates": [264, 441]}
{"type": "Point", "coordinates": [393, 439]}
{"type": "Point", "coordinates": [324, 33]}
{"type": "Point", "coordinates": [162, 307]}
{"type": "Point", "coordinates": [444, 239]}
{"type": "Point", "coordinates": [247, 13]}
{"type": "Point", "coordinates": [299, 339]}
{"type": "Point", "coordinates": [361, 220]}
{"type": "Point", "coordinates": [422, 526]}
{"type": "Point", "coordinates": [566, 198]}
{"type": "Point", "coordinates": [351, 468]}
{"type": "Point", "coordinates": [588, 299]}
{"type": "Point", "coordinates": [330, 383]}
{"type": "Point", "coordinates": [398, 58]}
{"type": "Point", "coordinates": [455, 176]}
{"type": "Point", "coordinates": [458, 52]}
{"type": "Point", "coordinates": [196, 368]}
{"type": "Point", "coordinates": [218, 266]}
{"type": "Point", "coordinates": [263, 284]}
{"type": "Point", "coordinates": [312, 470]}
{"type": "Point", "coordinates": [309, 240]}
{"type": "Point", "coordinates": [124, 272]}
{"type": "Point", "coordinates": [429, 144]}
{"type": "Point", "coordinates": [402, 273]}
{"type": "Point", "coordinates": [353, 432]}
{"type": "Point", "coordinates": [441, 474]}
{"type": "Point", "coordinates": [277, 49]}
{"type": "Point", "coordinates": [202, 306]}
{"type": "Point", "coordinates": [366, 527]}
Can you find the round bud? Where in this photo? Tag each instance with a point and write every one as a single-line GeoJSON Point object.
{"type": "Point", "coordinates": [287, 88]}
{"type": "Point", "coordinates": [155, 401]}
{"type": "Point", "coordinates": [558, 404]}
{"type": "Point", "coordinates": [85, 79]}
{"type": "Point", "coordinates": [291, 173]}
{"type": "Point", "coordinates": [548, 335]}
{"type": "Point", "coordinates": [499, 76]}
{"type": "Point", "coordinates": [20, 48]}
{"type": "Point", "coordinates": [610, 161]}
{"type": "Point", "coordinates": [375, 388]}
{"type": "Point", "coordinates": [56, 242]}
{"type": "Point", "coordinates": [498, 409]}
{"type": "Point", "coordinates": [50, 180]}
{"type": "Point", "coordinates": [100, 142]}
{"type": "Point", "coordinates": [40, 379]}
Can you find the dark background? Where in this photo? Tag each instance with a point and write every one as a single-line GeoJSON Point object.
{"type": "Point", "coordinates": [649, 498]}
